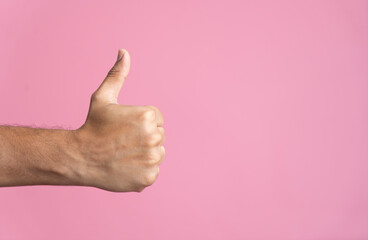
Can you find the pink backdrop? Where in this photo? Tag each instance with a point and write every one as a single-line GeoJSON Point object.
{"type": "Point", "coordinates": [265, 105]}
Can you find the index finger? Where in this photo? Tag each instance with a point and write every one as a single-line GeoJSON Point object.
{"type": "Point", "coordinates": [159, 116]}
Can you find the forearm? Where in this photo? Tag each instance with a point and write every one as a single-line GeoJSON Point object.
{"type": "Point", "coordinates": [34, 156]}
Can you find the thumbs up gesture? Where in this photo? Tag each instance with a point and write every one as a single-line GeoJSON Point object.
{"type": "Point", "coordinates": [120, 145]}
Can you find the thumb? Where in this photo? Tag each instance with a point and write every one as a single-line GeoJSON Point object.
{"type": "Point", "coordinates": [110, 87]}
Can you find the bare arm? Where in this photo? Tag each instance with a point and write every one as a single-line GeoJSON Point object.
{"type": "Point", "coordinates": [31, 156]}
{"type": "Point", "coordinates": [118, 148]}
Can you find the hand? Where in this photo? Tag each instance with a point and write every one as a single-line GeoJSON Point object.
{"type": "Point", "coordinates": [120, 145]}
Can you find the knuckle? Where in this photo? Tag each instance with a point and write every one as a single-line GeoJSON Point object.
{"type": "Point", "coordinates": [157, 111]}
{"type": "Point", "coordinates": [98, 96]}
{"type": "Point", "coordinates": [95, 96]}
{"type": "Point", "coordinates": [147, 115]}
{"type": "Point", "coordinates": [153, 139]}
{"type": "Point", "coordinates": [152, 156]}
{"type": "Point", "coordinates": [163, 151]}
{"type": "Point", "coordinates": [113, 72]}
{"type": "Point", "coordinates": [162, 134]}
{"type": "Point", "coordinates": [149, 178]}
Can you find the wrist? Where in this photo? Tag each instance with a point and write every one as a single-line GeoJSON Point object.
{"type": "Point", "coordinates": [72, 166]}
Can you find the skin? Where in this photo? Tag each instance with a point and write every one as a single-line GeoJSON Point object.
{"type": "Point", "coordinates": [119, 147]}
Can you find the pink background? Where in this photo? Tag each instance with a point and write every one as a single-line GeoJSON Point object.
{"type": "Point", "coordinates": [265, 105]}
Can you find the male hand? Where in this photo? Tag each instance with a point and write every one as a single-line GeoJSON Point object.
{"type": "Point", "coordinates": [120, 145]}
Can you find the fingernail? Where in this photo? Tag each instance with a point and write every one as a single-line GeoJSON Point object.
{"type": "Point", "coordinates": [120, 55]}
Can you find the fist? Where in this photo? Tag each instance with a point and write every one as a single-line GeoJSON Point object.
{"type": "Point", "coordinates": [120, 145]}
